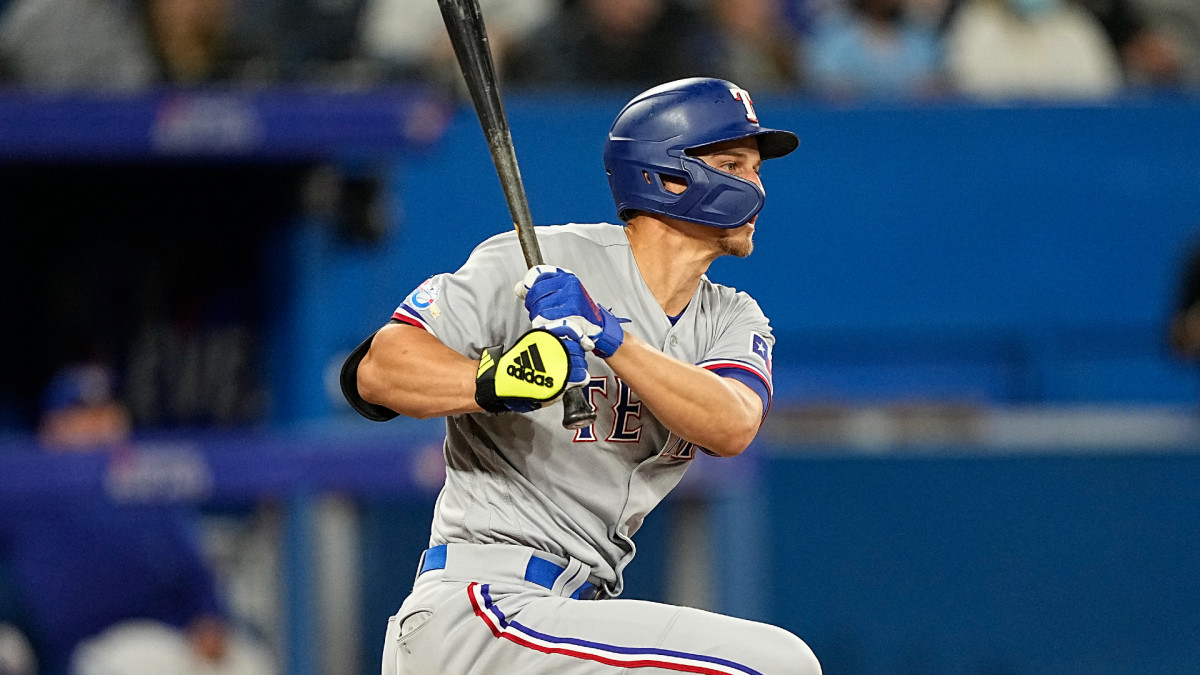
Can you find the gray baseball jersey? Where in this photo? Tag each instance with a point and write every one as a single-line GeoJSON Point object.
{"type": "Point", "coordinates": [522, 478]}
{"type": "Point", "coordinates": [534, 518]}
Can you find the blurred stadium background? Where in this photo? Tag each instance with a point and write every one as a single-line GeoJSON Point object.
{"type": "Point", "coordinates": [984, 451]}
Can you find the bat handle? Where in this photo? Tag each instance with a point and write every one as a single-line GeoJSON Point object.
{"type": "Point", "coordinates": [577, 410]}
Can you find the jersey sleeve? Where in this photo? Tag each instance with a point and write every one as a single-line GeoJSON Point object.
{"type": "Point", "coordinates": [468, 311]}
{"type": "Point", "coordinates": [742, 349]}
{"type": "Point", "coordinates": [474, 307]}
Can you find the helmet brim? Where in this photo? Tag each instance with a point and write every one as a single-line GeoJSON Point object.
{"type": "Point", "coordinates": [774, 143]}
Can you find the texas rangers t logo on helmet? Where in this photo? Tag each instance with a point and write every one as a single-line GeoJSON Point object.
{"type": "Point", "coordinates": [744, 96]}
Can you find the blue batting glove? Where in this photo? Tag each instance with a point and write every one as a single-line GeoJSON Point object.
{"type": "Point", "coordinates": [558, 302]}
{"type": "Point", "coordinates": [577, 358]}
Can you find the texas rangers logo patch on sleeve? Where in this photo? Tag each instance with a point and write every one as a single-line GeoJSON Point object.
{"type": "Point", "coordinates": [760, 346]}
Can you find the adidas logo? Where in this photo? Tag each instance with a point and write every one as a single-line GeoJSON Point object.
{"type": "Point", "coordinates": [529, 367]}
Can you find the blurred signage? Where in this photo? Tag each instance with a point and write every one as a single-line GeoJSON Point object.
{"type": "Point", "coordinates": [158, 473]}
{"type": "Point", "coordinates": [205, 123]}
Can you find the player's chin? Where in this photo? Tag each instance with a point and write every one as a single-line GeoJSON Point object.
{"type": "Point", "coordinates": [738, 242]}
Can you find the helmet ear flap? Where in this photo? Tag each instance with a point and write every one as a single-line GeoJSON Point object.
{"type": "Point", "coordinates": [644, 187]}
{"type": "Point", "coordinates": [710, 197]}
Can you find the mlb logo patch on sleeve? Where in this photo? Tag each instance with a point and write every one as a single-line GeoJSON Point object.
{"type": "Point", "coordinates": [424, 295]}
{"type": "Point", "coordinates": [760, 346]}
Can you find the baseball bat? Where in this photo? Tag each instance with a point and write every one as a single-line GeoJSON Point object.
{"type": "Point", "coordinates": [464, 23]}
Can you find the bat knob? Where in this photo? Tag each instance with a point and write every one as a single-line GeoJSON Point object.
{"type": "Point", "coordinates": [577, 411]}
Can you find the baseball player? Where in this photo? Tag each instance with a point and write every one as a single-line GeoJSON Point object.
{"type": "Point", "coordinates": [536, 522]}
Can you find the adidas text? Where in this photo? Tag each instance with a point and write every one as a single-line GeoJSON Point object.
{"type": "Point", "coordinates": [530, 376]}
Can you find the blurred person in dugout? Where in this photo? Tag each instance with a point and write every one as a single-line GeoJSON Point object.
{"type": "Point", "coordinates": [1030, 49]}
{"type": "Point", "coordinates": [102, 588]}
{"type": "Point", "coordinates": [117, 44]}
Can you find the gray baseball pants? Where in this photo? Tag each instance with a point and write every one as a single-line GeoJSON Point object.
{"type": "Point", "coordinates": [476, 612]}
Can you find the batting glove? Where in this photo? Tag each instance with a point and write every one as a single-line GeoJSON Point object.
{"type": "Point", "coordinates": [558, 302]}
{"type": "Point", "coordinates": [532, 374]}
{"type": "Point", "coordinates": [577, 360]}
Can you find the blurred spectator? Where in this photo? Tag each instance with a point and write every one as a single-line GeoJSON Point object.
{"type": "Point", "coordinates": [802, 14]}
{"type": "Point", "coordinates": [1149, 56]}
{"type": "Point", "coordinates": [408, 38]}
{"type": "Point", "coordinates": [751, 43]}
{"type": "Point", "coordinates": [302, 40]}
{"type": "Point", "coordinates": [190, 39]}
{"type": "Point", "coordinates": [874, 50]}
{"type": "Point", "coordinates": [66, 44]}
{"type": "Point", "coordinates": [16, 654]}
{"type": "Point", "coordinates": [117, 44]}
{"type": "Point", "coordinates": [1179, 22]}
{"type": "Point", "coordinates": [80, 568]}
{"type": "Point", "coordinates": [1048, 49]}
{"type": "Point", "coordinates": [929, 13]}
{"type": "Point", "coordinates": [614, 43]}
{"type": "Point", "coordinates": [409, 35]}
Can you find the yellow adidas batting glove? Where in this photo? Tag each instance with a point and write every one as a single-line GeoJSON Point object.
{"type": "Point", "coordinates": [531, 374]}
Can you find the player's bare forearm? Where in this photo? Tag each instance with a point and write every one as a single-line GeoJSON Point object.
{"type": "Point", "coordinates": [717, 413]}
{"type": "Point", "coordinates": [413, 373]}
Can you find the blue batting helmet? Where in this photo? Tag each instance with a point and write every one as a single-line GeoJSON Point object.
{"type": "Point", "coordinates": [652, 137]}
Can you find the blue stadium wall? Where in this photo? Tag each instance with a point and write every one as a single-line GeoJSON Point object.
{"type": "Point", "coordinates": [1041, 564]}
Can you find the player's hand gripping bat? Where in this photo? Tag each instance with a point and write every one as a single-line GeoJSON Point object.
{"type": "Point", "coordinates": [464, 23]}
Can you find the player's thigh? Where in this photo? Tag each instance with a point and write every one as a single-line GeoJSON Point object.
{"type": "Point", "coordinates": [557, 636]}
